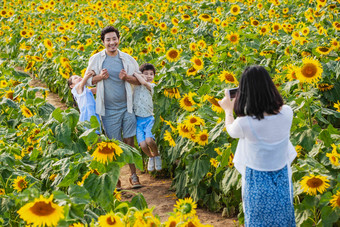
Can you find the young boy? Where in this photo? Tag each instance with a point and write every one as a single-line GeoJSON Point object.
{"type": "Point", "coordinates": [143, 108]}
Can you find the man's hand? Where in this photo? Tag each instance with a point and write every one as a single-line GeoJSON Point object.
{"type": "Point", "coordinates": [123, 75]}
{"type": "Point", "coordinates": [104, 74]}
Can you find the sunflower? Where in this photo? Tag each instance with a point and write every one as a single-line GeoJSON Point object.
{"type": "Point", "coordinates": [106, 151]}
{"type": "Point", "coordinates": [163, 26]}
{"type": "Point", "coordinates": [172, 55]}
{"type": "Point", "coordinates": [3, 83]}
{"type": "Point", "coordinates": [49, 54]}
{"type": "Point", "coordinates": [174, 30]}
{"type": "Point", "coordinates": [255, 22]}
{"type": "Point", "coordinates": [228, 77]}
{"type": "Point", "coordinates": [185, 17]}
{"type": "Point", "coordinates": [202, 137]}
{"type": "Point", "coordinates": [42, 212]}
{"type": "Point", "coordinates": [202, 44]}
{"type": "Point", "coordinates": [235, 10]}
{"type": "Point", "coordinates": [193, 46]}
{"type": "Point", "coordinates": [335, 44]}
{"type": "Point", "coordinates": [109, 219]}
{"type": "Point", "coordinates": [336, 25]}
{"type": "Point", "coordinates": [233, 37]}
{"type": "Point", "coordinates": [172, 92]}
{"type": "Point", "coordinates": [292, 70]}
{"type": "Point", "coordinates": [191, 71]}
{"type": "Point", "coordinates": [185, 130]}
{"type": "Point", "coordinates": [298, 149]}
{"type": "Point", "coordinates": [48, 44]}
{"type": "Point", "coordinates": [311, 184]}
{"type": "Point", "coordinates": [198, 63]}
{"type": "Point", "coordinates": [333, 158]}
{"type": "Point", "coordinates": [214, 162]}
{"type": "Point", "coordinates": [323, 50]}
{"type": "Point", "coordinates": [174, 21]}
{"type": "Point", "coordinates": [305, 31]}
{"type": "Point", "coordinates": [335, 201]}
{"type": "Point", "coordinates": [205, 17]}
{"type": "Point", "coordinates": [186, 207]}
{"type": "Point", "coordinates": [276, 27]}
{"type": "Point", "coordinates": [325, 87]}
{"type": "Point", "coordinates": [168, 137]}
{"type": "Point", "coordinates": [172, 222]}
{"type": "Point", "coordinates": [263, 30]}
{"type": "Point", "coordinates": [2, 191]}
{"type": "Point", "coordinates": [77, 225]}
{"type": "Point", "coordinates": [187, 102]}
{"type": "Point", "coordinates": [310, 72]}
{"type": "Point", "coordinates": [337, 106]}
{"type": "Point", "coordinates": [275, 42]}
{"type": "Point", "coordinates": [26, 112]}
{"type": "Point", "coordinates": [194, 120]}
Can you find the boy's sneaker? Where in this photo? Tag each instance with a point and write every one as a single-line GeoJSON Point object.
{"type": "Point", "coordinates": [158, 163]}
{"type": "Point", "coordinates": [134, 181]}
{"type": "Point", "coordinates": [151, 164]}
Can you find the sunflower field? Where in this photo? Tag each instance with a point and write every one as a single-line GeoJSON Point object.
{"type": "Point", "coordinates": [199, 48]}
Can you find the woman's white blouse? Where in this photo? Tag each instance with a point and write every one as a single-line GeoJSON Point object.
{"type": "Point", "coordinates": [264, 144]}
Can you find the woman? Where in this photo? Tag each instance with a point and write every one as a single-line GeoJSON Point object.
{"type": "Point", "coordinates": [264, 152]}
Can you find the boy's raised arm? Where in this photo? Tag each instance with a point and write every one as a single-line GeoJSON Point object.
{"type": "Point", "coordinates": [141, 80]}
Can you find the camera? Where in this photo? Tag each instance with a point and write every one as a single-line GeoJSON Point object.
{"type": "Point", "coordinates": [232, 92]}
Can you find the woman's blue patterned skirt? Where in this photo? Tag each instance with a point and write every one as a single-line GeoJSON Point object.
{"type": "Point", "coordinates": [267, 199]}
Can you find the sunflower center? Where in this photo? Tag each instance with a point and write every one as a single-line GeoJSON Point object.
{"type": "Point", "coordinates": [338, 201]}
{"type": "Point", "coordinates": [255, 22]}
{"type": "Point", "coordinates": [187, 208]}
{"type": "Point", "coordinates": [229, 77]}
{"type": "Point", "coordinates": [309, 70]}
{"type": "Point", "coordinates": [263, 30]}
{"type": "Point", "coordinates": [106, 150]}
{"type": "Point", "coordinates": [205, 16]}
{"type": "Point", "coordinates": [193, 120]}
{"type": "Point", "coordinates": [324, 49]}
{"type": "Point", "coordinates": [187, 102]}
{"type": "Point", "coordinates": [173, 224]}
{"type": "Point", "coordinates": [191, 70]}
{"type": "Point", "coordinates": [42, 209]}
{"type": "Point", "coordinates": [203, 137]}
{"type": "Point", "coordinates": [233, 38]}
{"type": "Point", "coordinates": [276, 27]}
{"type": "Point", "coordinates": [111, 220]}
{"type": "Point", "coordinates": [185, 129]}
{"type": "Point", "coordinates": [314, 182]}
{"type": "Point", "coordinates": [173, 54]}
{"type": "Point", "coordinates": [235, 9]}
{"type": "Point", "coordinates": [198, 62]}
{"type": "Point", "coordinates": [21, 184]}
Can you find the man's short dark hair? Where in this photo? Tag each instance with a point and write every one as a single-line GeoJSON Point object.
{"type": "Point", "coordinates": [108, 29]}
{"type": "Point", "coordinates": [257, 94]}
{"type": "Point", "coordinates": [147, 66]}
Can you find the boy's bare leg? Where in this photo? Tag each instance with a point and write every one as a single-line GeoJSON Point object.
{"type": "Point", "coordinates": [145, 148]}
{"type": "Point", "coordinates": [152, 144]}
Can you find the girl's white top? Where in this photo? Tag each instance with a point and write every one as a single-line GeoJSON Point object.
{"type": "Point", "coordinates": [264, 144]}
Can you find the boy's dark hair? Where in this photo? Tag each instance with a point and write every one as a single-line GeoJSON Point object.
{"type": "Point", "coordinates": [108, 29]}
{"type": "Point", "coordinates": [257, 94]}
{"type": "Point", "coordinates": [147, 66]}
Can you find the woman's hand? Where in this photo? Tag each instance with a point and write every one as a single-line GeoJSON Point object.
{"type": "Point", "coordinates": [226, 103]}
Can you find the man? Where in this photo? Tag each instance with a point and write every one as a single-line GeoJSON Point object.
{"type": "Point", "coordinates": [114, 70]}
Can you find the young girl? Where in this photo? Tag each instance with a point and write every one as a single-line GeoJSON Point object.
{"type": "Point", "coordinates": [83, 96]}
{"type": "Point", "coordinates": [143, 108]}
{"type": "Point", "coordinates": [264, 152]}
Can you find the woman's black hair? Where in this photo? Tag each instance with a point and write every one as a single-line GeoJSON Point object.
{"type": "Point", "coordinates": [257, 94]}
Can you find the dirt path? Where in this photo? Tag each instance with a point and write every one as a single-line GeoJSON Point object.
{"type": "Point", "coordinates": [155, 191]}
